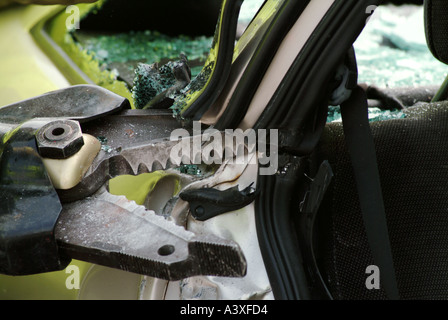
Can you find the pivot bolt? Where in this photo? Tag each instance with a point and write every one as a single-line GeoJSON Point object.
{"type": "Point", "coordinates": [60, 139]}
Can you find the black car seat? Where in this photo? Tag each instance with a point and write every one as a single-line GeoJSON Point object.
{"type": "Point", "coordinates": [412, 157]}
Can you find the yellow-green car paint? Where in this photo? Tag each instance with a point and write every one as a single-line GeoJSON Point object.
{"type": "Point", "coordinates": [25, 71]}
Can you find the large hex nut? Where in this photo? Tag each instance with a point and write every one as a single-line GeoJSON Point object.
{"type": "Point", "coordinates": [60, 139]}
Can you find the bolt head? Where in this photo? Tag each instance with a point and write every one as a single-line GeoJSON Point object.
{"type": "Point", "coordinates": [199, 211]}
{"type": "Point", "coordinates": [60, 139]}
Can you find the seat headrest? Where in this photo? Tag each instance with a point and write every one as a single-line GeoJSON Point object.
{"type": "Point", "coordinates": [436, 28]}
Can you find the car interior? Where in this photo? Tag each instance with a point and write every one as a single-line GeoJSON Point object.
{"type": "Point", "coordinates": [411, 158]}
